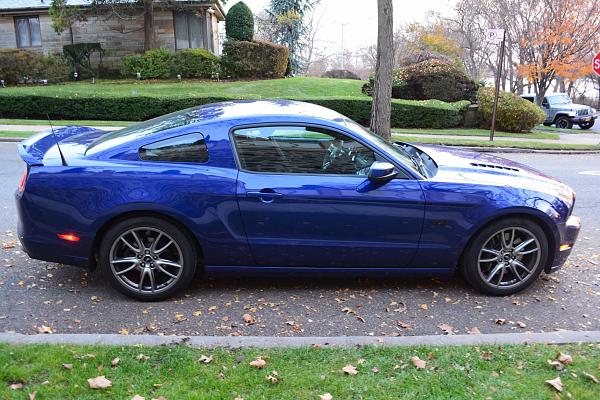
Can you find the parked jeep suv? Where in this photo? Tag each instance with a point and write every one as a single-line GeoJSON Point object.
{"type": "Point", "coordinates": [562, 112]}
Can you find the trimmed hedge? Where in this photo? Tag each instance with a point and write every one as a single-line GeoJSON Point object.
{"type": "Point", "coordinates": [195, 63]}
{"type": "Point", "coordinates": [254, 60]}
{"type": "Point", "coordinates": [239, 23]}
{"type": "Point", "coordinates": [15, 64]}
{"type": "Point", "coordinates": [515, 114]}
{"type": "Point", "coordinates": [153, 64]}
{"type": "Point", "coordinates": [405, 113]}
{"type": "Point", "coordinates": [340, 74]}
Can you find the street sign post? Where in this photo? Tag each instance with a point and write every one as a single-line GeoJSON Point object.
{"type": "Point", "coordinates": [496, 36]}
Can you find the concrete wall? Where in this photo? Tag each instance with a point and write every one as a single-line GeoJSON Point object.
{"type": "Point", "coordinates": [119, 37]}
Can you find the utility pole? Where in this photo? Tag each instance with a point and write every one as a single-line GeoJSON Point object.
{"type": "Point", "coordinates": [496, 36]}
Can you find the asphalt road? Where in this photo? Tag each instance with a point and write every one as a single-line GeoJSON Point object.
{"type": "Point", "coordinates": [68, 299]}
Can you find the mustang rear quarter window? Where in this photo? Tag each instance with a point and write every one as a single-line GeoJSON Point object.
{"type": "Point", "coordinates": [185, 148]}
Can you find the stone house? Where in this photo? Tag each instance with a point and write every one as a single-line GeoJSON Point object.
{"type": "Point", "coordinates": [177, 24]}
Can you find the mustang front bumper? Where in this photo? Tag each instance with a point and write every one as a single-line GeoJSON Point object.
{"type": "Point", "coordinates": [568, 238]}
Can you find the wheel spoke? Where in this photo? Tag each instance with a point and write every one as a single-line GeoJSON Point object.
{"type": "Point", "coordinates": [514, 271]}
{"type": "Point", "coordinates": [152, 282]}
{"type": "Point", "coordinates": [137, 250]}
{"type": "Point", "coordinates": [163, 248]}
{"type": "Point", "coordinates": [127, 269]}
{"type": "Point", "coordinates": [496, 254]}
{"type": "Point", "coordinates": [494, 271]}
{"type": "Point", "coordinates": [519, 249]}
{"type": "Point", "coordinates": [507, 245]}
{"type": "Point", "coordinates": [155, 242]}
{"type": "Point", "coordinates": [164, 271]}
{"type": "Point", "coordinates": [124, 260]}
{"type": "Point", "coordinates": [161, 261]}
{"type": "Point", "coordinates": [138, 241]}
{"type": "Point", "coordinates": [501, 276]}
{"type": "Point", "coordinates": [521, 265]}
{"type": "Point", "coordinates": [142, 276]}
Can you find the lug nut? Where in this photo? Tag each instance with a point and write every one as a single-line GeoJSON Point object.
{"type": "Point", "coordinates": [156, 257]}
{"type": "Point", "coordinates": [139, 256]}
{"type": "Point", "coordinates": [143, 264]}
{"type": "Point", "coordinates": [147, 252]}
{"type": "Point", "coordinates": [152, 265]}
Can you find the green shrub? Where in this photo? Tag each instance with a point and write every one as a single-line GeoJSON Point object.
{"type": "Point", "coordinates": [16, 64]}
{"type": "Point", "coordinates": [397, 84]}
{"type": "Point", "coordinates": [239, 23]}
{"type": "Point", "coordinates": [254, 59]}
{"type": "Point", "coordinates": [514, 113]}
{"type": "Point", "coordinates": [153, 64]}
{"type": "Point", "coordinates": [431, 79]}
{"type": "Point", "coordinates": [405, 113]}
{"type": "Point", "coordinates": [196, 63]}
{"type": "Point", "coordinates": [340, 74]}
{"type": "Point", "coordinates": [80, 56]}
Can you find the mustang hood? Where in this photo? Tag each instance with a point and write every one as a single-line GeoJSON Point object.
{"type": "Point", "coordinates": [468, 166]}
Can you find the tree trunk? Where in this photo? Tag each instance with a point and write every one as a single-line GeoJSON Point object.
{"type": "Point", "coordinates": [149, 36]}
{"type": "Point", "coordinates": [381, 109]}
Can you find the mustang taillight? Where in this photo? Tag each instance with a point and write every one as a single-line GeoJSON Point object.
{"type": "Point", "coordinates": [22, 183]}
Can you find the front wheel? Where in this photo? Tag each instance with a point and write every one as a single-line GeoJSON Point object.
{"type": "Point", "coordinates": [147, 258]}
{"type": "Point", "coordinates": [587, 125]}
{"type": "Point", "coordinates": [563, 122]}
{"type": "Point", "coordinates": [506, 257]}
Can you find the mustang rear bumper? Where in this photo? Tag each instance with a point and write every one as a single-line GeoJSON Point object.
{"type": "Point", "coordinates": [564, 248]}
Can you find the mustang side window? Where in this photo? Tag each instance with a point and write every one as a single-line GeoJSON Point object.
{"type": "Point", "coordinates": [301, 150]}
{"type": "Point", "coordinates": [186, 148]}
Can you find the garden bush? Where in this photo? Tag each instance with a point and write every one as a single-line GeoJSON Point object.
{"type": "Point", "coordinates": [254, 60]}
{"type": "Point", "coordinates": [340, 74]}
{"type": "Point", "coordinates": [431, 79]}
{"type": "Point", "coordinates": [514, 113]}
{"type": "Point", "coordinates": [196, 63]}
{"type": "Point", "coordinates": [405, 113]}
{"type": "Point", "coordinates": [239, 23]}
{"type": "Point", "coordinates": [397, 84]}
{"type": "Point", "coordinates": [80, 56]}
{"type": "Point", "coordinates": [16, 64]}
{"type": "Point", "coordinates": [153, 64]}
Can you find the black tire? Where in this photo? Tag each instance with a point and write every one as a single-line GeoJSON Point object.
{"type": "Point", "coordinates": [547, 123]}
{"type": "Point", "coordinates": [474, 272]}
{"type": "Point", "coordinates": [563, 122]}
{"type": "Point", "coordinates": [587, 125]}
{"type": "Point", "coordinates": [181, 255]}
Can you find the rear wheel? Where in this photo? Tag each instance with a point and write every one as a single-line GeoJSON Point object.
{"type": "Point", "coordinates": [563, 122]}
{"type": "Point", "coordinates": [506, 256]}
{"type": "Point", "coordinates": [587, 125]}
{"type": "Point", "coordinates": [147, 258]}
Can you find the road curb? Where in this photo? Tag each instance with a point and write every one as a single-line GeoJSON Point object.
{"type": "Point", "coordinates": [11, 139]}
{"type": "Point", "coordinates": [561, 337]}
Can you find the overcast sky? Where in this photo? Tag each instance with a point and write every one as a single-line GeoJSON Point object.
{"type": "Point", "coordinates": [359, 18]}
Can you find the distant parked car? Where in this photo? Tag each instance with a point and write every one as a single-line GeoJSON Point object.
{"type": "Point", "coordinates": [283, 186]}
{"type": "Point", "coordinates": [562, 112]}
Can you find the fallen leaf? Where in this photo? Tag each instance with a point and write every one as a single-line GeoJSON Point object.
{"type": "Point", "coordinates": [326, 396]}
{"type": "Point", "coordinates": [521, 324]}
{"type": "Point", "coordinates": [205, 359]}
{"type": "Point", "coordinates": [123, 331]}
{"type": "Point", "coordinates": [556, 383]}
{"type": "Point", "coordinates": [591, 377]}
{"type": "Point", "coordinates": [564, 358]}
{"type": "Point", "coordinates": [425, 307]}
{"type": "Point", "coordinates": [44, 329]}
{"type": "Point", "coordinates": [486, 355]}
{"type": "Point", "coordinates": [197, 313]}
{"type": "Point", "coordinates": [350, 369]}
{"type": "Point", "coordinates": [375, 370]}
{"type": "Point", "coordinates": [68, 366]}
{"type": "Point", "coordinates": [474, 331]}
{"type": "Point", "coordinates": [403, 325]}
{"type": "Point", "coordinates": [32, 395]}
{"type": "Point", "coordinates": [16, 386]}
{"type": "Point", "coordinates": [556, 364]}
{"type": "Point", "coordinates": [272, 377]}
{"type": "Point", "coordinates": [99, 382]}
{"type": "Point", "coordinates": [160, 398]}
{"type": "Point", "coordinates": [142, 357]}
{"type": "Point", "coordinates": [447, 329]}
{"type": "Point", "coordinates": [115, 361]}
{"type": "Point", "coordinates": [179, 317]}
{"type": "Point", "coordinates": [500, 321]}
{"type": "Point", "coordinates": [138, 397]}
{"type": "Point", "coordinates": [248, 319]}
{"type": "Point", "coordinates": [258, 363]}
{"type": "Point", "coordinates": [417, 362]}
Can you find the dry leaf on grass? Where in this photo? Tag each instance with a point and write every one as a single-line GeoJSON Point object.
{"type": "Point", "coordinates": [16, 386]}
{"type": "Point", "coordinates": [115, 361]}
{"type": "Point", "coordinates": [591, 377]}
{"type": "Point", "coordinates": [99, 382]}
{"type": "Point", "coordinates": [486, 356]}
{"type": "Point", "coordinates": [273, 377]}
{"type": "Point", "coordinates": [556, 364]}
{"type": "Point", "coordinates": [350, 369]}
{"type": "Point", "coordinates": [142, 357]}
{"type": "Point", "coordinates": [417, 362]}
{"type": "Point", "coordinates": [258, 363]}
{"type": "Point", "coordinates": [138, 397]}
{"type": "Point", "coordinates": [326, 396]}
{"type": "Point", "coordinates": [556, 383]}
{"type": "Point", "coordinates": [68, 366]}
{"type": "Point", "coordinates": [564, 358]}
{"type": "Point", "coordinates": [205, 359]}
{"type": "Point", "coordinates": [32, 395]}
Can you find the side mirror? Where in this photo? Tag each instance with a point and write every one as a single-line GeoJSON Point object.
{"type": "Point", "coordinates": [381, 171]}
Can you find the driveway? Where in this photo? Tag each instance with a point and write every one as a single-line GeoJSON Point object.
{"type": "Point", "coordinates": [68, 299]}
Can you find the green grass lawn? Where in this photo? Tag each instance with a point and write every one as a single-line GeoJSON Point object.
{"type": "Point", "coordinates": [16, 134]}
{"type": "Point", "coordinates": [495, 143]}
{"type": "Point", "coordinates": [176, 372]}
{"type": "Point", "coordinates": [297, 88]}
{"type": "Point", "coordinates": [476, 132]}
{"type": "Point", "coordinates": [15, 121]}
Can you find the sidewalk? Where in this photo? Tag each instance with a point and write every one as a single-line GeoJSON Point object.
{"type": "Point", "coordinates": [39, 128]}
{"type": "Point", "coordinates": [569, 138]}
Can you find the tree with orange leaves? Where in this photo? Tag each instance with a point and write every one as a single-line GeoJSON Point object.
{"type": "Point", "coordinates": [556, 39]}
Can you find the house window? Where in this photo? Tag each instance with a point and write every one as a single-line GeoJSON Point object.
{"type": "Point", "coordinates": [190, 30]}
{"type": "Point", "coordinates": [28, 31]}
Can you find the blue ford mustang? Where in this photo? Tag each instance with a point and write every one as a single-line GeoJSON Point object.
{"type": "Point", "coordinates": [275, 186]}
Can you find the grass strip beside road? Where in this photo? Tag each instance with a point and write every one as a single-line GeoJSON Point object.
{"type": "Point", "coordinates": [11, 121]}
{"type": "Point", "coordinates": [496, 143]}
{"type": "Point", "coordinates": [16, 134]}
{"type": "Point", "coordinates": [476, 132]}
{"type": "Point", "coordinates": [180, 372]}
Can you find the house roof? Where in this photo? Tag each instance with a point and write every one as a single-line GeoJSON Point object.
{"type": "Point", "coordinates": [15, 5]}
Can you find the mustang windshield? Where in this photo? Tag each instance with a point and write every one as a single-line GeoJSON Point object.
{"type": "Point", "coordinates": [173, 120]}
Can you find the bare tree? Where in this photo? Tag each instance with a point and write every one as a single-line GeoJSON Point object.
{"type": "Point", "coordinates": [381, 109]}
